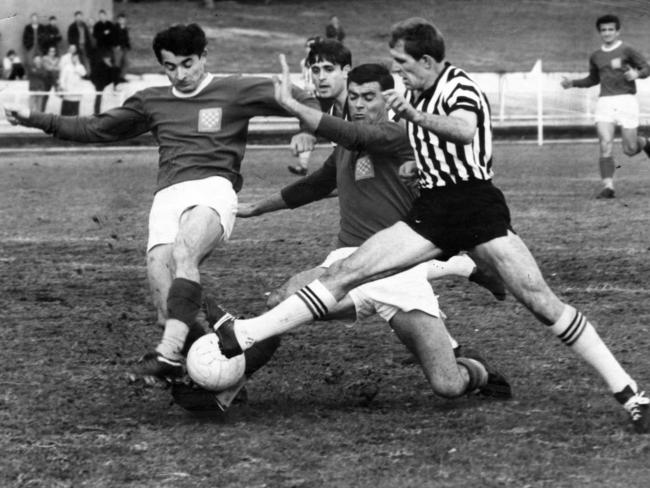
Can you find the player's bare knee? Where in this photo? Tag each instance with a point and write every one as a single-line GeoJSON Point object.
{"type": "Point", "coordinates": [447, 388]}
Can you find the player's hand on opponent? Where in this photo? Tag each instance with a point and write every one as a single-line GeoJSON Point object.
{"type": "Point", "coordinates": [566, 82]}
{"type": "Point", "coordinates": [408, 173]}
{"type": "Point", "coordinates": [631, 74]}
{"type": "Point", "coordinates": [398, 104]}
{"type": "Point", "coordinates": [302, 142]}
{"type": "Point", "coordinates": [15, 114]}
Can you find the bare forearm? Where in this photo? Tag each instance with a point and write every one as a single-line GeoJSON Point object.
{"type": "Point", "coordinates": [451, 128]}
{"type": "Point", "coordinates": [309, 117]}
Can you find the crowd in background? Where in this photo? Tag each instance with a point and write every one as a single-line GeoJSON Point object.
{"type": "Point", "coordinates": [91, 51]}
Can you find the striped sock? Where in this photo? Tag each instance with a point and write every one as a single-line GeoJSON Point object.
{"type": "Point", "coordinates": [574, 330]}
{"type": "Point", "coordinates": [311, 302]}
{"type": "Point", "coordinates": [477, 373]}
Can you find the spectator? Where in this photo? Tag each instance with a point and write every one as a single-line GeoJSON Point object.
{"type": "Point", "coordinates": [122, 47]}
{"type": "Point", "coordinates": [38, 82]}
{"type": "Point", "coordinates": [33, 38]}
{"type": "Point", "coordinates": [79, 35]}
{"type": "Point", "coordinates": [71, 83]}
{"type": "Point", "coordinates": [333, 29]}
{"type": "Point", "coordinates": [51, 35]}
{"type": "Point", "coordinates": [12, 67]}
{"type": "Point", "coordinates": [104, 35]}
{"type": "Point", "coordinates": [51, 63]}
{"type": "Point", "coordinates": [103, 74]}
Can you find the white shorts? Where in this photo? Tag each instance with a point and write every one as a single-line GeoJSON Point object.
{"type": "Point", "coordinates": [405, 291]}
{"type": "Point", "coordinates": [618, 109]}
{"type": "Point", "coordinates": [169, 204]}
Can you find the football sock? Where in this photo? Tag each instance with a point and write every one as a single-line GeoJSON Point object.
{"type": "Point", "coordinates": [183, 305]}
{"type": "Point", "coordinates": [607, 169]}
{"type": "Point", "coordinates": [478, 375]}
{"type": "Point", "coordinates": [260, 354]}
{"type": "Point", "coordinates": [311, 302]}
{"type": "Point", "coordinates": [575, 331]}
{"type": "Point", "coordinates": [459, 265]}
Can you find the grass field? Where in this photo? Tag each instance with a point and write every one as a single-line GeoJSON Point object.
{"type": "Point", "coordinates": [494, 35]}
{"type": "Point", "coordinates": [76, 315]}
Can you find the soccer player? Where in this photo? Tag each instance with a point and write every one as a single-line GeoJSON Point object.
{"type": "Point", "coordinates": [448, 122]}
{"type": "Point", "coordinates": [372, 197]}
{"type": "Point", "coordinates": [616, 66]}
{"type": "Point", "coordinates": [329, 62]}
{"type": "Point", "coordinates": [200, 123]}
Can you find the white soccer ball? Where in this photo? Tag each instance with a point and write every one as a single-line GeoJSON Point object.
{"type": "Point", "coordinates": [209, 368]}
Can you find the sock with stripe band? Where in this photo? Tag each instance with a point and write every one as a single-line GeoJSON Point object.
{"type": "Point", "coordinates": [310, 303]}
{"type": "Point", "coordinates": [574, 330]}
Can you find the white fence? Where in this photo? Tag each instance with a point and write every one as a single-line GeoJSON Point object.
{"type": "Point", "coordinates": [517, 99]}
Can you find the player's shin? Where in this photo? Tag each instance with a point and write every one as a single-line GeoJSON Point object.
{"type": "Point", "coordinates": [574, 330]}
{"type": "Point", "coordinates": [183, 305]}
{"type": "Point", "coordinates": [311, 302]}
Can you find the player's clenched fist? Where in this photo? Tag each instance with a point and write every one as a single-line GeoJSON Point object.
{"type": "Point", "coordinates": [15, 114]}
{"type": "Point", "coordinates": [398, 104]}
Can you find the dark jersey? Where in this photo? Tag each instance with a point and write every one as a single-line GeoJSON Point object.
{"type": "Point", "coordinates": [364, 169]}
{"type": "Point", "coordinates": [200, 135]}
{"type": "Point", "coordinates": [608, 67]}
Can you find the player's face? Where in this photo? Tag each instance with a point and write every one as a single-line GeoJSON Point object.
{"type": "Point", "coordinates": [366, 102]}
{"type": "Point", "coordinates": [411, 70]}
{"type": "Point", "coordinates": [184, 72]}
{"type": "Point", "coordinates": [329, 79]}
{"type": "Point", "coordinates": [608, 32]}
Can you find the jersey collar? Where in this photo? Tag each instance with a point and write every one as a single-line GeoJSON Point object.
{"type": "Point", "coordinates": [612, 47]}
{"type": "Point", "coordinates": [206, 81]}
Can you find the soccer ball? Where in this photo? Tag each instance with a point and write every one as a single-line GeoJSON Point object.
{"type": "Point", "coordinates": [209, 368]}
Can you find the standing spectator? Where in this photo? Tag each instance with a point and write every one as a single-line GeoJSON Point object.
{"type": "Point", "coordinates": [33, 38]}
{"type": "Point", "coordinates": [79, 35]}
{"type": "Point", "coordinates": [38, 83]}
{"type": "Point", "coordinates": [103, 74]}
{"type": "Point", "coordinates": [615, 66]}
{"type": "Point", "coordinates": [122, 47]}
{"type": "Point", "coordinates": [51, 35]}
{"type": "Point", "coordinates": [333, 29]}
{"type": "Point", "coordinates": [104, 35]}
{"type": "Point", "coordinates": [70, 84]}
{"type": "Point", "coordinates": [12, 67]}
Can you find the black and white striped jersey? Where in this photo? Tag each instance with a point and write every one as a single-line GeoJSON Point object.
{"type": "Point", "coordinates": [443, 162]}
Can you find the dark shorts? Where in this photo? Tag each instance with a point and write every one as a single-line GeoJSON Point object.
{"type": "Point", "coordinates": [460, 217]}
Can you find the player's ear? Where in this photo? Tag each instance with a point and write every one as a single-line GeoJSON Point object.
{"type": "Point", "coordinates": [346, 69]}
{"type": "Point", "coordinates": [427, 61]}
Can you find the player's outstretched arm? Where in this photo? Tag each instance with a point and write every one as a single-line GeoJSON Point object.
{"type": "Point", "coordinates": [266, 205]}
{"type": "Point", "coordinates": [310, 117]}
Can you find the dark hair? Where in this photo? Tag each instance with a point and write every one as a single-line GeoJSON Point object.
{"type": "Point", "coordinates": [180, 39]}
{"type": "Point", "coordinates": [329, 50]}
{"type": "Point", "coordinates": [52, 17]}
{"type": "Point", "coordinates": [10, 52]}
{"type": "Point", "coordinates": [121, 15]}
{"type": "Point", "coordinates": [608, 19]}
{"type": "Point", "coordinates": [420, 38]}
{"type": "Point", "coordinates": [367, 73]}
{"type": "Point", "coordinates": [78, 12]}
{"type": "Point", "coordinates": [102, 11]}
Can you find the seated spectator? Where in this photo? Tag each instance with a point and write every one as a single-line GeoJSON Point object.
{"type": "Point", "coordinates": [12, 66]}
{"type": "Point", "coordinates": [38, 84]}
